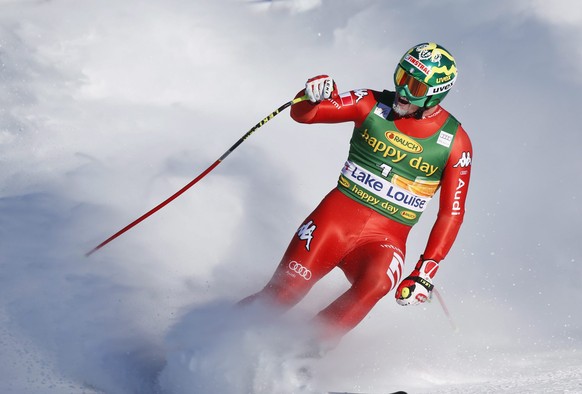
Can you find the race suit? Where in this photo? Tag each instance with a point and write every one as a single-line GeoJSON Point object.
{"type": "Point", "coordinates": [395, 165]}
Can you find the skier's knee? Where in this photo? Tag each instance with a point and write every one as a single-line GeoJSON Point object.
{"type": "Point", "coordinates": [379, 287]}
{"type": "Point", "coordinates": [275, 295]}
{"type": "Point", "coordinates": [283, 296]}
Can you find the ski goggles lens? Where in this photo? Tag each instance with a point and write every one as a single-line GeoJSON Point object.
{"type": "Point", "coordinates": [415, 87]}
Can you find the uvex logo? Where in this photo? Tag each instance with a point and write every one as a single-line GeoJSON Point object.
{"type": "Point", "coordinates": [403, 142]}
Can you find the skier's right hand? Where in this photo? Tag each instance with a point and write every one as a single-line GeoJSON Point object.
{"type": "Point", "coordinates": [417, 287]}
{"type": "Point", "coordinates": [320, 88]}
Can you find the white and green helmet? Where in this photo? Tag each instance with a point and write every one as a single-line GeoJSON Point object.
{"type": "Point", "coordinates": [425, 74]}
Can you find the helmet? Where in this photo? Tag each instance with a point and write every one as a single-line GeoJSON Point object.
{"type": "Point", "coordinates": [425, 74]}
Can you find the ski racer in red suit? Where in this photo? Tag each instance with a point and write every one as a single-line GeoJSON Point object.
{"type": "Point", "coordinates": [404, 147]}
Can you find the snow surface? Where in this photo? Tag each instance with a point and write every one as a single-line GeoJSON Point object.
{"type": "Point", "coordinates": [108, 107]}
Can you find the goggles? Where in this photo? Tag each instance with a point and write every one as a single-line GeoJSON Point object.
{"type": "Point", "coordinates": [415, 87]}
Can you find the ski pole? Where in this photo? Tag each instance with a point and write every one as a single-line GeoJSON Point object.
{"type": "Point", "coordinates": [445, 309]}
{"type": "Point", "coordinates": [198, 178]}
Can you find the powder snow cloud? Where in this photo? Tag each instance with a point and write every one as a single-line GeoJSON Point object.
{"type": "Point", "coordinates": [107, 108]}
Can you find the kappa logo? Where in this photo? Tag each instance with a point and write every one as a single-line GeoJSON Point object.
{"type": "Point", "coordinates": [464, 160]}
{"type": "Point", "coordinates": [305, 233]}
{"type": "Point", "coordinates": [360, 94]}
{"type": "Point", "coordinates": [300, 270]}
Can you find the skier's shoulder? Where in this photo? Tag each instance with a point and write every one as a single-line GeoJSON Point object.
{"type": "Point", "coordinates": [385, 97]}
{"type": "Point", "coordinates": [462, 139]}
{"type": "Point", "coordinates": [367, 98]}
{"type": "Point", "coordinates": [445, 114]}
{"type": "Point", "coordinates": [372, 94]}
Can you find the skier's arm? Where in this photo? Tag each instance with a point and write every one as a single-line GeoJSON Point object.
{"type": "Point", "coordinates": [416, 288]}
{"type": "Point", "coordinates": [335, 109]}
{"type": "Point", "coordinates": [453, 193]}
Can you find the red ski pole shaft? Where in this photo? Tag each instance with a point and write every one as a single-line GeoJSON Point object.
{"type": "Point", "coordinates": [198, 178]}
{"type": "Point", "coordinates": [445, 309]}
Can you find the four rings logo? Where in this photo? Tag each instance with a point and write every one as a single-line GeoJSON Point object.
{"type": "Point", "coordinates": [300, 270]}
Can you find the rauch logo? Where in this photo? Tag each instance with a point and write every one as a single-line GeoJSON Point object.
{"type": "Point", "coordinates": [403, 142]}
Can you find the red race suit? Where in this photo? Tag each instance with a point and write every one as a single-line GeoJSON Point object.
{"type": "Point", "coordinates": [362, 225]}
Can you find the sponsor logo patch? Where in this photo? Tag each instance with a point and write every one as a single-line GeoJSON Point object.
{"type": "Point", "coordinates": [297, 269]}
{"type": "Point", "coordinates": [305, 233]}
{"type": "Point", "coordinates": [464, 160]}
{"type": "Point", "coordinates": [408, 215]}
{"type": "Point", "coordinates": [346, 99]}
{"type": "Point", "coordinates": [382, 110]}
{"type": "Point", "coordinates": [403, 142]}
{"type": "Point", "coordinates": [360, 94]}
{"type": "Point", "coordinates": [445, 139]}
{"type": "Point", "coordinates": [418, 64]}
{"type": "Point", "coordinates": [373, 189]}
{"type": "Point", "coordinates": [457, 200]}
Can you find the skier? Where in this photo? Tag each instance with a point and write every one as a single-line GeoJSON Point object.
{"type": "Point", "coordinates": [404, 147]}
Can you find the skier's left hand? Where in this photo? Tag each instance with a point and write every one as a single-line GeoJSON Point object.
{"type": "Point", "coordinates": [417, 287]}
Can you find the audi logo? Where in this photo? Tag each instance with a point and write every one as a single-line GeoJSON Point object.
{"type": "Point", "coordinates": [300, 270]}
